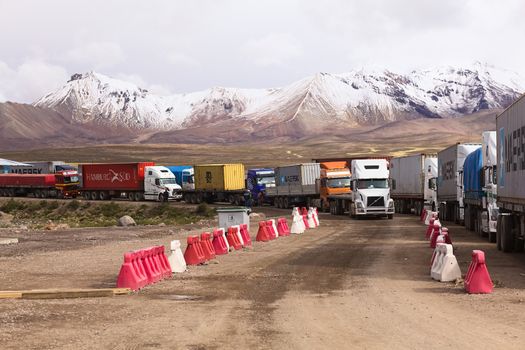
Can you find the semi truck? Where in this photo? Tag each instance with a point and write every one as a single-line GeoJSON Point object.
{"type": "Point", "coordinates": [257, 181]}
{"type": "Point", "coordinates": [135, 181]}
{"type": "Point", "coordinates": [51, 167]}
{"type": "Point", "coordinates": [479, 188]}
{"type": "Point", "coordinates": [62, 184]}
{"type": "Point", "coordinates": [184, 176]}
{"type": "Point", "coordinates": [295, 185]}
{"type": "Point", "coordinates": [510, 134]}
{"type": "Point", "coordinates": [413, 180]}
{"type": "Point", "coordinates": [450, 181]}
{"type": "Point", "coordinates": [217, 183]}
{"type": "Point", "coordinates": [370, 194]}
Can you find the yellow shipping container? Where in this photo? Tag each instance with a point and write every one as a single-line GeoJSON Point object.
{"type": "Point", "coordinates": [219, 177]}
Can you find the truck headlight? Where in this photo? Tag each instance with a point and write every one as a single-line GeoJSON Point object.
{"type": "Point", "coordinates": [359, 205]}
{"type": "Point", "coordinates": [391, 204]}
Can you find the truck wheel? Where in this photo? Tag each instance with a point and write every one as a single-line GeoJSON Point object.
{"type": "Point", "coordinates": [131, 196]}
{"type": "Point", "coordinates": [94, 195]}
{"type": "Point", "coordinates": [139, 196]}
{"type": "Point", "coordinates": [506, 238]}
{"type": "Point", "coordinates": [102, 196]}
{"type": "Point", "coordinates": [198, 198]}
{"type": "Point", "coordinates": [390, 216]}
{"type": "Point", "coordinates": [285, 203]}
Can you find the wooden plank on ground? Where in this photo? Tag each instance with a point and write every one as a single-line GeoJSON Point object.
{"type": "Point", "coordinates": [63, 293]}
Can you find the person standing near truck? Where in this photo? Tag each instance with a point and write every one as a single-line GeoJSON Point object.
{"type": "Point", "coordinates": [248, 199]}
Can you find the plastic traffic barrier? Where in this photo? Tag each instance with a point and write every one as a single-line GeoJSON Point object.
{"type": "Point", "coordinates": [262, 234]}
{"type": "Point", "coordinates": [207, 246]}
{"type": "Point", "coordinates": [444, 237]}
{"type": "Point", "coordinates": [163, 260]}
{"type": "Point", "coordinates": [151, 267]}
{"type": "Point", "coordinates": [245, 235]}
{"type": "Point", "coordinates": [282, 227]}
{"type": "Point", "coordinates": [176, 259]}
{"type": "Point", "coordinates": [430, 228]}
{"type": "Point", "coordinates": [477, 280]}
{"type": "Point", "coordinates": [193, 253]}
{"type": "Point", "coordinates": [430, 215]}
{"type": "Point", "coordinates": [237, 230]}
{"type": "Point", "coordinates": [130, 275]}
{"type": "Point", "coordinates": [315, 215]}
{"type": "Point", "coordinates": [298, 226]}
{"type": "Point", "coordinates": [445, 267]}
{"type": "Point", "coordinates": [271, 232]}
{"type": "Point", "coordinates": [220, 244]}
{"type": "Point", "coordinates": [233, 239]}
{"type": "Point", "coordinates": [423, 214]}
{"type": "Point", "coordinates": [435, 234]}
{"type": "Point", "coordinates": [310, 218]}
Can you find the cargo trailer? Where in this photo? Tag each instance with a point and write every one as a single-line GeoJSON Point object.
{"type": "Point", "coordinates": [479, 188]}
{"type": "Point", "coordinates": [183, 175]}
{"type": "Point", "coordinates": [450, 181]}
{"type": "Point", "coordinates": [217, 183]}
{"type": "Point", "coordinates": [414, 183]}
{"type": "Point", "coordinates": [295, 185]}
{"type": "Point", "coordinates": [135, 181]}
{"type": "Point", "coordinates": [510, 134]}
{"type": "Point", "coordinates": [50, 167]}
{"type": "Point", "coordinates": [63, 184]}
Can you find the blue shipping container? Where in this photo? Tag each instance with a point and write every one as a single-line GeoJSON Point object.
{"type": "Point", "coordinates": [472, 169]}
{"type": "Point", "coordinates": [178, 171]}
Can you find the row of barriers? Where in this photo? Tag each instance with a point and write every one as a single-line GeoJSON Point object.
{"type": "Point", "coordinates": [150, 265]}
{"type": "Point", "coordinates": [443, 264]}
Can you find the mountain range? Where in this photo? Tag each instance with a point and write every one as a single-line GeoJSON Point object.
{"type": "Point", "coordinates": [94, 108]}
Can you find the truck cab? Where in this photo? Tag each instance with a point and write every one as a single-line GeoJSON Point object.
{"type": "Point", "coordinates": [257, 181]}
{"type": "Point", "coordinates": [158, 179]}
{"type": "Point", "coordinates": [67, 183]}
{"type": "Point", "coordinates": [371, 188]}
{"type": "Point", "coordinates": [335, 179]}
{"type": "Point", "coordinates": [184, 174]}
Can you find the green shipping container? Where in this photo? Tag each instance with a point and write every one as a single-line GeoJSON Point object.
{"type": "Point", "coordinates": [219, 177]}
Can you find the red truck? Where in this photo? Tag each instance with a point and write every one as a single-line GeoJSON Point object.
{"type": "Point", "coordinates": [135, 181]}
{"type": "Point", "coordinates": [63, 184]}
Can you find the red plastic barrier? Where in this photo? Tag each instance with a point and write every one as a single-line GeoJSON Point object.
{"type": "Point", "coordinates": [263, 235]}
{"type": "Point", "coordinates": [423, 214]}
{"type": "Point", "coordinates": [193, 253]}
{"type": "Point", "coordinates": [152, 270]}
{"type": "Point", "coordinates": [282, 227]}
{"type": "Point", "coordinates": [207, 246]}
{"type": "Point", "coordinates": [219, 243]}
{"type": "Point", "coordinates": [128, 276]}
{"type": "Point", "coordinates": [164, 263]}
{"type": "Point", "coordinates": [477, 280]}
{"type": "Point", "coordinates": [430, 228]}
{"type": "Point", "coordinates": [233, 240]}
{"type": "Point", "coordinates": [271, 231]}
{"type": "Point", "coordinates": [304, 211]}
{"type": "Point", "coordinates": [434, 236]}
{"type": "Point", "coordinates": [245, 235]}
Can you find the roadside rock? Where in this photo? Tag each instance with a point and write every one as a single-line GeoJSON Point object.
{"type": "Point", "coordinates": [126, 221]}
{"type": "Point", "coordinates": [261, 216]}
{"type": "Point", "coordinates": [5, 217]}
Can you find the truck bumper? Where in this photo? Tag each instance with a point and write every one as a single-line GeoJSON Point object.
{"type": "Point", "coordinates": [374, 211]}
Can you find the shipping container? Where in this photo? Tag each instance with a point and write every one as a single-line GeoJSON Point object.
{"type": "Point", "coordinates": [510, 134]}
{"type": "Point", "coordinates": [60, 185]}
{"type": "Point", "coordinates": [219, 177]}
{"type": "Point", "coordinates": [27, 180]}
{"type": "Point", "coordinates": [50, 167]}
{"type": "Point", "coordinates": [297, 179]}
{"type": "Point", "coordinates": [118, 176]}
{"type": "Point", "coordinates": [413, 182]}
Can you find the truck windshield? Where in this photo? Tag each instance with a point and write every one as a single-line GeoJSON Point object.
{"type": "Point", "coordinates": [187, 179]}
{"type": "Point", "coordinates": [70, 179]}
{"type": "Point", "coordinates": [341, 182]}
{"type": "Point", "coordinates": [266, 180]}
{"type": "Point", "coordinates": [372, 183]}
{"type": "Point", "coordinates": [167, 181]}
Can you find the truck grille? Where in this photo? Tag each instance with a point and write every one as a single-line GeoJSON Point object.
{"type": "Point", "coordinates": [375, 202]}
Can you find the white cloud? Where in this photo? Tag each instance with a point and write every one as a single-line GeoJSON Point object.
{"type": "Point", "coordinates": [30, 81]}
{"type": "Point", "coordinates": [96, 55]}
{"type": "Point", "coordinates": [273, 49]}
{"type": "Point", "coordinates": [177, 58]}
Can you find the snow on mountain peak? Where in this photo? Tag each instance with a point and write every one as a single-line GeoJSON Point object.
{"type": "Point", "coordinates": [361, 96]}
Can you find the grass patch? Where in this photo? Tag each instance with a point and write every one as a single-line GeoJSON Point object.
{"type": "Point", "coordinates": [77, 213]}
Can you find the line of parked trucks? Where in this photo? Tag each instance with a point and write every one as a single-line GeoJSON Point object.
{"type": "Point", "coordinates": [479, 185]}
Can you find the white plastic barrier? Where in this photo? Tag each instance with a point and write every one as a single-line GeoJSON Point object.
{"type": "Point", "coordinates": [429, 215]}
{"type": "Point", "coordinates": [274, 227]}
{"type": "Point", "coordinates": [316, 217]}
{"type": "Point", "coordinates": [237, 229]}
{"type": "Point", "coordinates": [176, 258]}
{"type": "Point", "coordinates": [445, 267]}
{"type": "Point", "coordinates": [297, 222]}
{"type": "Point", "coordinates": [224, 236]}
{"type": "Point", "coordinates": [310, 217]}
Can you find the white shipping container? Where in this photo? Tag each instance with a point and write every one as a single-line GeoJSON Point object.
{"type": "Point", "coordinates": [510, 129]}
{"type": "Point", "coordinates": [450, 163]}
{"type": "Point", "coordinates": [409, 175]}
{"type": "Point", "coordinates": [296, 179]}
{"type": "Point", "coordinates": [489, 148]}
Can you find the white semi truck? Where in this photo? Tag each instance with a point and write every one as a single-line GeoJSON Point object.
{"type": "Point", "coordinates": [510, 134]}
{"type": "Point", "coordinates": [370, 194]}
{"type": "Point", "coordinates": [414, 183]}
{"type": "Point", "coordinates": [450, 181]}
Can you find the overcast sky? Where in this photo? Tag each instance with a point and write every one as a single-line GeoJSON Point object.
{"type": "Point", "coordinates": [183, 46]}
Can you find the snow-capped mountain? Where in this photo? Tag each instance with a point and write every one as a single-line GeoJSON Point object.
{"type": "Point", "coordinates": [354, 98]}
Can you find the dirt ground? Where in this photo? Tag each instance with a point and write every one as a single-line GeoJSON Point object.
{"type": "Point", "coordinates": [347, 284]}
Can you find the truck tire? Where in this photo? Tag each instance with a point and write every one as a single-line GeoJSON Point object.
{"type": "Point", "coordinates": [286, 205]}
{"type": "Point", "coordinates": [390, 216]}
{"type": "Point", "coordinates": [93, 195]}
{"type": "Point", "coordinates": [131, 196]}
{"type": "Point", "coordinates": [103, 196]}
{"type": "Point", "coordinates": [506, 237]}
{"type": "Point", "coordinates": [498, 232]}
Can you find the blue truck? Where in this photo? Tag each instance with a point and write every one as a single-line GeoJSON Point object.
{"type": "Point", "coordinates": [257, 180]}
{"type": "Point", "coordinates": [183, 175]}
